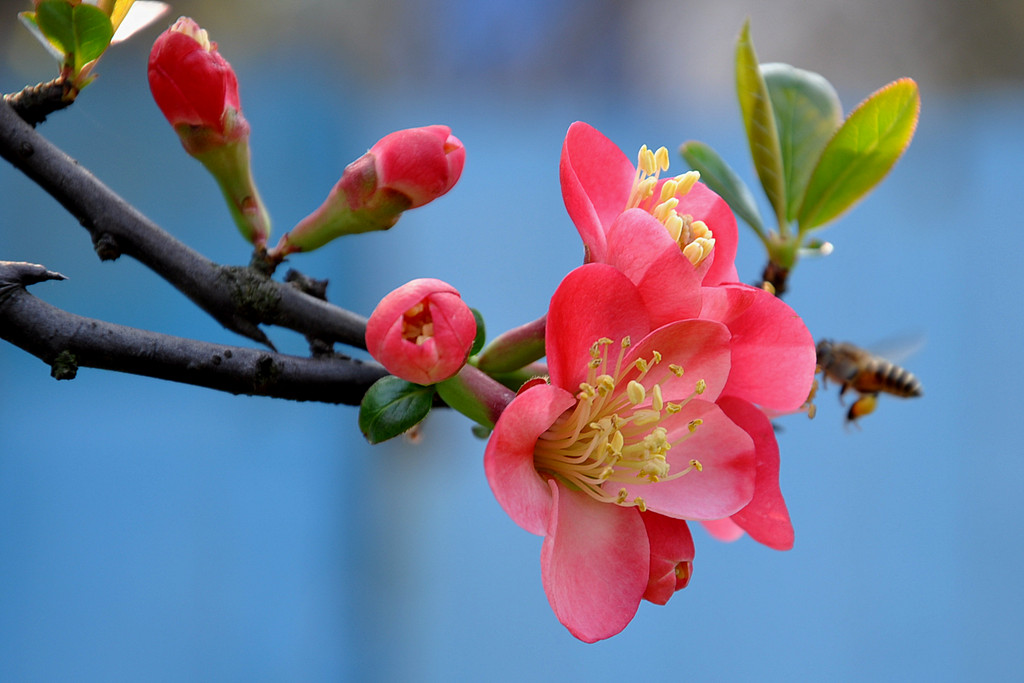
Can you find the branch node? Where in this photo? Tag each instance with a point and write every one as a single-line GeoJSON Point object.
{"type": "Point", "coordinates": [106, 247]}
{"type": "Point", "coordinates": [64, 366]}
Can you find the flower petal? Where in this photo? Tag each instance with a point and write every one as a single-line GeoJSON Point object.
{"type": "Point", "coordinates": [593, 301]}
{"type": "Point", "coordinates": [701, 347]}
{"type": "Point", "coordinates": [773, 357]}
{"type": "Point", "coordinates": [596, 180]}
{"type": "Point", "coordinates": [765, 517]}
{"type": "Point", "coordinates": [724, 529]}
{"type": "Point", "coordinates": [641, 247]}
{"type": "Point", "coordinates": [671, 556]}
{"type": "Point", "coordinates": [703, 204]}
{"type": "Point", "coordinates": [724, 484]}
{"type": "Point", "coordinates": [594, 564]}
{"type": "Point", "coordinates": [508, 459]}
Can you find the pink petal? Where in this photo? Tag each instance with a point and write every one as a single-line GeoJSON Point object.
{"type": "Point", "coordinates": [508, 458]}
{"type": "Point", "coordinates": [592, 302]}
{"type": "Point", "coordinates": [723, 529]}
{"type": "Point", "coordinates": [701, 347]}
{"type": "Point", "coordinates": [640, 246]}
{"type": "Point", "coordinates": [765, 518]}
{"type": "Point", "coordinates": [703, 204]}
{"type": "Point", "coordinates": [721, 488]}
{"type": "Point", "coordinates": [671, 556]}
{"type": "Point", "coordinates": [773, 356]}
{"type": "Point", "coordinates": [596, 180]}
{"type": "Point", "coordinates": [593, 563]}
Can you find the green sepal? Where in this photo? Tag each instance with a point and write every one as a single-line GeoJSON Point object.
{"type": "Point", "coordinates": [481, 333]}
{"type": "Point", "coordinates": [392, 406]}
{"type": "Point", "coordinates": [861, 153]}
{"type": "Point", "coordinates": [82, 32]}
{"type": "Point", "coordinates": [720, 177]}
{"type": "Point", "coordinates": [807, 113]}
{"type": "Point", "coordinates": [759, 122]}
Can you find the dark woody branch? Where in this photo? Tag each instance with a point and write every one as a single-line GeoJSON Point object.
{"type": "Point", "coordinates": [239, 298]}
{"type": "Point", "coordinates": [67, 341]}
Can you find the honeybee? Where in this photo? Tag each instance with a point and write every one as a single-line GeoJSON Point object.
{"type": "Point", "coordinates": [867, 374]}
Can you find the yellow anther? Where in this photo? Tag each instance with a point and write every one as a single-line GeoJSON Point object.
{"type": "Point", "coordinates": [657, 402]}
{"type": "Point", "coordinates": [594, 363]}
{"type": "Point", "coordinates": [621, 498]}
{"type": "Point", "coordinates": [617, 442]}
{"type": "Point", "coordinates": [636, 392]}
{"type": "Point", "coordinates": [695, 464]}
{"type": "Point", "coordinates": [655, 357]}
{"type": "Point", "coordinates": [661, 157]}
{"type": "Point", "coordinates": [640, 364]}
{"type": "Point", "coordinates": [646, 416]}
{"type": "Point", "coordinates": [626, 342]}
{"type": "Point", "coordinates": [676, 370]}
{"type": "Point", "coordinates": [701, 386]}
{"type": "Point", "coordinates": [692, 426]}
{"type": "Point", "coordinates": [673, 408]}
{"type": "Point", "coordinates": [640, 503]}
{"type": "Point", "coordinates": [686, 181]}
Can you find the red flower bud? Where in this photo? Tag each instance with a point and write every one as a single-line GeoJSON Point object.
{"type": "Point", "coordinates": [422, 332]}
{"type": "Point", "coordinates": [404, 170]}
{"type": "Point", "coordinates": [421, 163]}
{"type": "Point", "coordinates": [195, 87]}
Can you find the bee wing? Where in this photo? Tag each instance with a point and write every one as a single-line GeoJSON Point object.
{"type": "Point", "coordinates": [898, 349]}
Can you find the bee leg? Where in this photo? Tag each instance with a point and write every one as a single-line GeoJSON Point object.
{"type": "Point", "coordinates": [865, 405]}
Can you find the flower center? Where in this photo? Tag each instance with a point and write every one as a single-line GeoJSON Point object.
{"type": "Point", "coordinates": [418, 324]}
{"type": "Point", "coordinates": [693, 237]}
{"type": "Point", "coordinates": [614, 432]}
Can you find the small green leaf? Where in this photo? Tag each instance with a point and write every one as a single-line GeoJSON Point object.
{"type": "Point", "coordinates": [391, 407]}
{"type": "Point", "coordinates": [861, 153]}
{"type": "Point", "coordinates": [481, 333]}
{"type": "Point", "coordinates": [807, 113]}
{"type": "Point", "coordinates": [720, 177]}
{"type": "Point", "coordinates": [759, 121]}
{"type": "Point", "coordinates": [81, 32]}
{"type": "Point", "coordinates": [54, 18]}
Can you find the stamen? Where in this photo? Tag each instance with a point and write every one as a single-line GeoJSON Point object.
{"type": "Point", "coordinates": [614, 433]}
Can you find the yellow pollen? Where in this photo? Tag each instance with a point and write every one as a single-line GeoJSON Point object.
{"type": "Point", "coordinates": [677, 370]}
{"type": "Point", "coordinates": [694, 424]}
{"type": "Point", "coordinates": [701, 386]}
{"type": "Point", "coordinates": [685, 231]}
{"type": "Point", "coordinates": [617, 433]}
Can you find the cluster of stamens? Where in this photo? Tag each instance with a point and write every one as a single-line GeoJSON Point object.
{"type": "Point", "coordinates": [613, 433]}
{"type": "Point", "coordinates": [418, 324]}
{"type": "Point", "coordinates": [693, 236]}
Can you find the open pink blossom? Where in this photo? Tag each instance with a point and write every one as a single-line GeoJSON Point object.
{"type": "Point", "coordinates": [422, 332]}
{"type": "Point", "coordinates": [624, 225]}
{"type": "Point", "coordinates": [599, 183]}
{"type": "Point", "coordinates": [624, 444]}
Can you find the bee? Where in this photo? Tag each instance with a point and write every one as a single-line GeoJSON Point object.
{"type": "Point", "coordinates": [867, 374]}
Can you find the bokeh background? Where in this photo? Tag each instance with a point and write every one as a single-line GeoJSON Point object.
{"type": "Point", "coordinates": [152, 531]}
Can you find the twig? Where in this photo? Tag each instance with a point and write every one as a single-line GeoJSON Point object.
{"type": "Point", "coordinates": [67, 341]}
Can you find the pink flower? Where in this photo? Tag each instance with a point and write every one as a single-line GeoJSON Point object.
{"type": "Point", "coordinates": [195, 88]}
{"type": "Point", "coordinates": [422, 331]}
{"type": "Point", "coordinates": [625, 444]}
{"type": "Point", "coordinates": [404, 170]}
{"type": "Point", "coordinates": [773, 357]}
{"type": "Point", "coordinates": [599, 183]}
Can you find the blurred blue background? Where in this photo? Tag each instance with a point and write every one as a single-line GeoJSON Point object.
{"type": "Point", "coordinates": [153, 531]}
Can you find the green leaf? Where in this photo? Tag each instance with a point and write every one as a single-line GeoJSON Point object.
{"type": "Point", "coordinates": [720, 177]}
{"type": "Point", "coordinates": [861, 153]}
{"type": "Point", "coordinates": [807, 113]}
{"type": "Point", "coordinates": [391, 407]}
{"type": "Point", "coordinates": [759, 121]}
{"type": "Point", "coordinates": [81, 32]}
{"type": "Point", "coordinates": [481, 333]}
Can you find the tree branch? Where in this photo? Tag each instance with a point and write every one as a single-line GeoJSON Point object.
{"type": "Point", "coordinates": [238, 298]}
{"type": "Point", "coordinates": [67, 341]}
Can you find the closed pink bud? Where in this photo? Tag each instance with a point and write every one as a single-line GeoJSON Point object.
{"type": "Point", "coordinates": [420, 163]}
{"type": "Point", "coordinates": [422, 332]}
{"type": "Point", "coordinates": [195, 87]}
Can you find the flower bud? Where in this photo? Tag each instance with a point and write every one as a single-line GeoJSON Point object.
{"type": "Point", "coordinates": [404, 170]}
{"type": "Point", "coordinates": [197, 90]}
{"type": "Point", "coordinates": [422, 332]}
